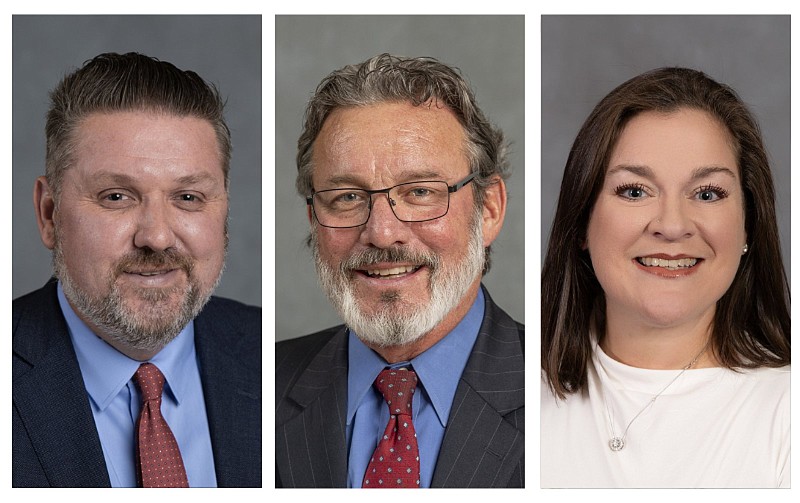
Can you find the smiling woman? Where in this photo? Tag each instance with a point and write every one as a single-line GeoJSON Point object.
{"type": "Point", "coordinates": [665, 325]}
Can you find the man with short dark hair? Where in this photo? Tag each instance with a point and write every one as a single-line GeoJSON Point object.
{"type": "Point", "coordinates": [126, 371]}
{"type": "Point", "coordinates": [423, 386]}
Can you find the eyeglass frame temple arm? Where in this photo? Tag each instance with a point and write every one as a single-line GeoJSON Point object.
{"type": "Point", "coordinates": [458, 185]}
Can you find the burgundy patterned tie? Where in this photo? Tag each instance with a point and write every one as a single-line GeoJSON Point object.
{"type": "Point", "coordinates": [395, 462]}
{"type": "Point", "coordinates": [158, 458]}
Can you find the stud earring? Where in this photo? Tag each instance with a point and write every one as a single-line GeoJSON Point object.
{"type": "Point", "coordinates": [744, 249]}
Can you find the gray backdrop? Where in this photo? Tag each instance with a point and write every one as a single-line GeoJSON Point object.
{"type": "Point", "coordinates": [225, 50]}
{"type": "Point", "coordinates": [489, 50]}
{"type": "Point", "coordinates": [585, 57]}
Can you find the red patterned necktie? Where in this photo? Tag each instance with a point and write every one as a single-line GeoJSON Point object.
{"type": "Point", "coordinates": [158, 458]}
{"type": "Point", "coordinates": [395, 462]}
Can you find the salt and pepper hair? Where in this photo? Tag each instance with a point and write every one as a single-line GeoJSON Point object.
{"type": "Point", "coordinates": [128, 82]}
{"type": "Point", "coordinates": [420, 81]}
{"type": "Point", "coordinates": [751, 326]}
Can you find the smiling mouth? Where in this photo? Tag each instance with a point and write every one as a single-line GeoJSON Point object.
{"type": "Point", "coordinates": [392, 272]}
{"type": "Point", "coordinates": [150, 273]}
{"type": "Point", "coordinates": [668, 264]}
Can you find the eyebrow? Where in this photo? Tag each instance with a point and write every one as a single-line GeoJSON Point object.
{"type": "Point", "coordinates": [697, 173]}
{"type": "Point", "coordinates": [195, 179]}
{"type": "Point", "coordinates": [117, 178]}
{"type": "Point", "coordinates": [123, 179]}
{"type": "Point", "coordinates": [405, 176]}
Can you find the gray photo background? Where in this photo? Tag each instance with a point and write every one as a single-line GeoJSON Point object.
{"type": "Point", "coordinates": [585, 57]}
{"type": "Point", "coordinates": [225, 50]}
{"type": "Point", "coordinates": [489, 51]}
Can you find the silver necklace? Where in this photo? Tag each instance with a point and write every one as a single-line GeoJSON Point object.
{"type": "Point", "coordinates": [617, 443]}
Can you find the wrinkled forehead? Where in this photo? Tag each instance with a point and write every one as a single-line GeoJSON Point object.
{"type": "Point", "coordinates": [389, 137]}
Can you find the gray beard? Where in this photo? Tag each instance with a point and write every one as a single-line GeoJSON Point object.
{"type": "Point", "coordinates": [392, 325]}
{"type": "Point", "coordinates": [146, 330]}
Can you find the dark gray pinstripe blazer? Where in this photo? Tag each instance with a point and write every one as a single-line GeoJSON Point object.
{"type": "Point", "coordinates": [484, 441]}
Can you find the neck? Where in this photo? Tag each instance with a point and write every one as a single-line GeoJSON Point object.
{"type": "Point", "coordinates": [132, 353]}
{"type": "Point", "coordinates": [659, 347]}
{"type": "Point", "coordinates": [406, 352]}
{"type": "Point", "coordinates": [127, 350]}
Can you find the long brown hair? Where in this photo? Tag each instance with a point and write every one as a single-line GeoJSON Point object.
{"type": "Point", "coordinates": [751, 324]}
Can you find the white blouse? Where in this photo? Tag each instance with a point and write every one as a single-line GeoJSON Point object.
{"type": "Point", "coordinates": [710, 428]}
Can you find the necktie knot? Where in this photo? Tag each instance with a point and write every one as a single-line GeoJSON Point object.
{"type": "Point", "coordinates": [150, 381]}
{"type": "Point", "coordinates": [397, 387]}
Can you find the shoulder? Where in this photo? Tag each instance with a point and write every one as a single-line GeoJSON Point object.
{"type": "Point", "coordinates": [231, 314]}
{"type": "Point", "coordinates": [298, 352]}
{"type": "Point", "coordinates": [229, 327]}
{"type": "Point", "coordinates": [38, 325]}
{"type": "Point", "coordinates": [221, 306]}
{"type": "Point", "coordinates": [765, 382]}
{"type": "Point", "coordinates": [36, 303]}
{"type": "Point", "coordinates": [294, 356]}
{"type": "Point", "coordinates": [499, 323]}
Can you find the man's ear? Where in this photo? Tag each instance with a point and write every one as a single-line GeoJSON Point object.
{"type": "Point", "coordinates": [494, 210]}
{"type": "Point", "coordinates": [44, 204]}
{"type": "Point", "coordinates": [310, 214]}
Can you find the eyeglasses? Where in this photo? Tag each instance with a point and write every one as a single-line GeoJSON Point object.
{"type": "Point", "coordinates": [410, 202]}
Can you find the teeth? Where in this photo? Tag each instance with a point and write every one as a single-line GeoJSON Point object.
{"type": "Point", "coordinates": [667, 264]}
{"type": "Point", "coordinates": [392, 271]}
{"type": "Point", "coordinates": [150, 273]}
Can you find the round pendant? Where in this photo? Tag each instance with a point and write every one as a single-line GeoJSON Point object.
{"type": "Point", "coordinates": [616, 444]}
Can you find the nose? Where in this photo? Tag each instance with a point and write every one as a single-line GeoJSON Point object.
{"type": "Point", "coordinates": [673, 220]}
{"type": "Point", "coordinates": [383, 229]}
{"type": "Point", "coordinates": [154, 227]}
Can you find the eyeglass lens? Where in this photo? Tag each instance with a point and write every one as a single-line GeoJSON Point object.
{"type": "Point", "coordinates": [410, 202]}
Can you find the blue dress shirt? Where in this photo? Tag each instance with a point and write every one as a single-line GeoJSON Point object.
{"type": "Point", "coordinates": [438, 370]}
{"type": "Point", "coordinates": [116, 401]}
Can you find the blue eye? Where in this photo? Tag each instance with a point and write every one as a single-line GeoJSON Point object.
{"type": "Point", "coordinates": [632, 191]}
{"type": "Point", "coordinates": [710, 193]}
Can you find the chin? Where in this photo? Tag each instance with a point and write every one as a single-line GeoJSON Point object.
{"type": "Point", "coordinates": [670, 316]}
{"type": "Point", "coordinates": [391, 300]}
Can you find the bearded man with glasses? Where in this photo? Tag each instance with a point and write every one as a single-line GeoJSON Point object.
{"type": "Point", "coordinates": [423, 386]}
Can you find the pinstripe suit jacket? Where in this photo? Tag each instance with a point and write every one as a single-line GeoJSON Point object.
{"type": "Point", "coordinates": [484, 440]}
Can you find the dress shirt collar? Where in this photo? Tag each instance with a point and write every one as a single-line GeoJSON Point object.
{"type": "Point", "coordinates": [106, 371]}
{"type": "Point", "coordinates": [438, 369]}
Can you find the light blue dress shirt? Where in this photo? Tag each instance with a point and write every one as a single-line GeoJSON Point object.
{"type": "Point", "coordinates": [116, 401]}
{"type": "Point", "coordinates": [438, 370]}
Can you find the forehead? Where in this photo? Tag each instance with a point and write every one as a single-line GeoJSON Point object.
{"type": "Point", "coordinates": [686, 137]}
{"type": "Point", "coordinates": [389, 136]}
{"type": "Point", "coordinates": [105, 138]}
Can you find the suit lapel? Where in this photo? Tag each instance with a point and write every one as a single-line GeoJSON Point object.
{"type": "Point", "coordinates": [51, 399]}
{"type": "Point", "coordinates": [233, 397]}
{"type": "Point", "coordinates": [484, 442]}
{"type": "Point", "coordinates": [321, 394]}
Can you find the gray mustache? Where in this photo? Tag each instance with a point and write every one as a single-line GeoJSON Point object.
{"type": "Point", "coordinates": [361, 259]}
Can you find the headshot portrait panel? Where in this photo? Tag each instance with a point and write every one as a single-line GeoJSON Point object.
{"type": "Point", "coordinates": [224, 50]}
{"type": "Point", "coordinates": [400, 185]}
{"type": "Point", "coordinates": [666, 327]}
{"type": "Point", "coordinates": [136, 353]}
{"type": "Point", "coordinates": [489, 52]}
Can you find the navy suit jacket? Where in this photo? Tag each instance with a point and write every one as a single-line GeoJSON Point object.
{"type": "Point", "coordinates": [484, 440]}
{"type": "Point", "coordinates": [55, 442]}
